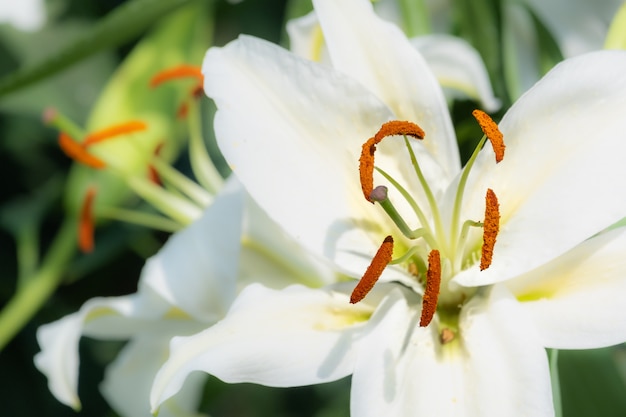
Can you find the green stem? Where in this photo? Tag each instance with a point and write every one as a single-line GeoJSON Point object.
{"type": "Point", "coordinates": [37, 289]}
{"type": "Point", "coordinates": [458, 200]}
{"type": "Point", "coordinates": [415, 19]}
{"type": "Point", "coordinates": [556, 385]}
{"type": "Point", "coordinates": [201, 163]}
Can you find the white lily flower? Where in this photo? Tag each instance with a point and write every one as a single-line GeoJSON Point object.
{"type": "Point", "coordinates": [456, 64]}
{"type": "Point", "coordinates": [188, 286]}
{"type": "Point", "coordinates": [545, 278]}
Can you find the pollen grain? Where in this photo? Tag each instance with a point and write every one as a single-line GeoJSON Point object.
{"type": "Point", "coordinates": [366, 161]}
{"type": "Point", "coordinates": [181, 71]}
{"type": "Point", "coordinates": [491, 130]}
{"type": "Point", "coordinates": [86, 226]}
{"type": "Point", "coordinates": [77, 152]}
{"type": "Point", "coordinates": [491, 228]}
{"type": "Point", "coordinates": [431, 293]}
{"type": "Point", "coordinates": [374, 271]}
{"type": "Point", "coordinates": [113, 131]}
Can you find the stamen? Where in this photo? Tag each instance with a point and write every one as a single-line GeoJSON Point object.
{"type": "Point", "coordinates": [110, 132]}
{"type": "Point", "coordinates": [490, 129]}
{"type": "Point", "coordinates": [86, 227]}
{"type": "Point", "coordinates": [182, 71]}
{"type": "Point", "coordinates": [431, 293]}
{"type": "Point", "coordinates": [77, 152]}
{"type": "Point", "coordinates": [366, 161]}
{"type": "Point", "coordinates": [374, 271]}
{"type": "Point", "coordinates": [490, 228]}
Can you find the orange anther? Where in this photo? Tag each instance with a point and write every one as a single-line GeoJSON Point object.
{"type": "Point", "coordinates": [366, 161]}
{"type": "Point", "coordinates": [431, 293]}
{"type": "Point", "coordinates": [182, 71]}
{"type": "Point", "coordinates": [86, 226]}
{"type": "Point", "coordinates": [77, 152]}
{"type": "Point", "coordinates": [374, 271]}
{"type": "Point", "coordinates": [490, 129]}
{"type": "Point", "coordinates": [113, 131]}
{"type": "Point", "coordinates": [491, 226]}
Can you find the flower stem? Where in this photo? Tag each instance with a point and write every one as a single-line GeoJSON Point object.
{"type": "Point", "coordinates": [37, 289]}
{"type": "Point", "coordinates": [556, 385]}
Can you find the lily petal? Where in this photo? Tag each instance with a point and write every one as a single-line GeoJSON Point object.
{"type": "Point", "coordinates": [294, 142]}
{"type": "Point", "coordinates": [497, 367]}
{"type": "Point", "coordinates": [556, 183]}
{"type": "Point", "coordinates": [197, 268]}
{"type": "Point", "coordinates": [263, 260]}
{"type": "Point", "coordinates": [128, 380]}
{"type": "Point", "coordinates": [58, 359]}
{"type": "Point", "coordinates": [579, 26]}
{"type": "Point", "coordinates": [297, 336]}
{"type": "Point", "coordinates": [380, 56]}
{"type": "Point", "coordinates": [572, 299]}
{"type": "Point", "coordinates": [458, 68]}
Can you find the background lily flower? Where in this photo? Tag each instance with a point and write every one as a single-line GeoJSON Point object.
{"type": "Point", "coordinates": [483, 353]}
{"type": "Point", "coordinates": [455, 63]}
{"type": "Point", "coordinates": [188, 286]}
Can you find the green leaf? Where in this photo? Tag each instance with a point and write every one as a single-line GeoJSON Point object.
{"type": "Point", "coordinates": [124, 23]}
{"type": "Point", "coordinates": [591, 384]}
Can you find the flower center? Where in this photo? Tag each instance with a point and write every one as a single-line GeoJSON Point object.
{"type": "Point", "coordinates": [435, 254]}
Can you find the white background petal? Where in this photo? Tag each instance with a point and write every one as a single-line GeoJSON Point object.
{"type": "Point", "coordinates": [458, 66]}
{"type": "Point", "coordinates": [577, 300]}
{"type": "Point", "coordinates": [558, 182]}
{"type": "Point", "coordinates": [197, 268]}
{"type": "Point", "coordinates": [297, 336]}
{"type": "Point", "coordinates": [380, 56]}
{"type": "Point", "coordinates": [128, 380]}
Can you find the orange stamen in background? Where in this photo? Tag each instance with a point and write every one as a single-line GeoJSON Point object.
{"type": "Point", "coordinates": [86, 225]}
{"type": "Point", "coordinates": [491, 226]}
{"type": "Point", "coordinates": [153, 174]}
{"type": "Point", "coordinates": [182, 71]}
{"type": "Point", "coordinates": [374, 271]}
{"type": "Point", "coordinates": [366, 161]}
{"type": "Point", "coordinates": [77, 152]}
{"type": "Point", "coordinates": [113, 131]}
{"type": "Point", "coordinates": [431, 293]}
{"type": "Point", "coordinates": [491, 130]}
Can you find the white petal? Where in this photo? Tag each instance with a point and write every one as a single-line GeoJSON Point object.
{"type": "Point", "coordinates": [458, 66]}
{"type": "Point", "coordinates": [306, 38]}
{"type": "Point", "coordinates": [292, 131]}
{"type": "Point", "coordinates": [58, 359]}
{"type": "Point", "coordinates": [297, 336]}
{"type": "Point", "coordinates": [497, 369]}
{"type": "Point", "coordinates": [270, 257]}
{"type": "Point", "coordinates": [128, 380]}
{"type": "Point", "coordinates": [579, 26]}
{"type": "Point", "coordinates": [380, 56]}
{"type": "Point", "coordinates": [197, 268]}
{"type": "Point", "coordinates": [577, 300]}
{"type": "Point", "coordinates": [556, 185]}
